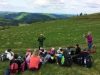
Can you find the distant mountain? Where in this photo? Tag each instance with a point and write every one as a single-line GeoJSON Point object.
{"type": "Point", "coordinates": [25, 17]}
{"type": "Point", "coordinates": [59, 16]}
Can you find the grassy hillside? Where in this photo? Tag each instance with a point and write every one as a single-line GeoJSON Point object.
{"type": "Point", "coordinates": [58, 33]}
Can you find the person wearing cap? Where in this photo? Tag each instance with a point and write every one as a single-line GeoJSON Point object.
{"type": "Point", "coordinates": [40, 40]}
{"type": "Point", "coordinates": [28, 54]}
{"type": "Point", "coordinates": [81, 55]}
{"type": "Point", "coordinates": [89, 40]}
{"type": "Point", "coordinates": [35, 63]}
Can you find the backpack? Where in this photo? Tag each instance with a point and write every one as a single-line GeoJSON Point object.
{"type": "Point", "coordinates": [92, 51]}
{"type": "Point", "coordinates": [7, 71]}
{"type": "Point", "coordinates": [3, 57]}
{"type": "Point", "coordinates": [23, 66]}
{"type": "Point", "coordinates": [72, 52]}
{"type": "Point", "coordinates": [14, 66]}
{"type": "Point", "coordinates": [52, 60]}
{"type": "Point", "coordinates": [20, 58]}
{"type": "Point", "coordinates": [66, 60]}
{"type": "Point", "coordinates": [88, 61]}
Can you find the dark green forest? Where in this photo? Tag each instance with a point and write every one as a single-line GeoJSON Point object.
{"type": "Point", "coordinates": [8, 22]}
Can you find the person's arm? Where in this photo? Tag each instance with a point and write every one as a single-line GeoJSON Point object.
{"type": "Point", "coordinates": [85, 36]}
{"type": "Point", "coordinates": [39, 59]}
{"type": "Point", "coordinates": [44, 38]}
{"type": "Point", "coordinates": [10, 62]}
{"type": "Point", "coordinates": [38, 39]}
{"type": "Point", "coordinates": [12, 53]}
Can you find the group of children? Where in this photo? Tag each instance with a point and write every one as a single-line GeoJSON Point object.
{"type": "Point", "coordinates": [34, 61]}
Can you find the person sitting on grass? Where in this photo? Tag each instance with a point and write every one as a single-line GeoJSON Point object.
{"type": "Point", "coordinates": [80, 56]}
{"type": "Point", "coordinates": [72, 51]}
{"type": "Point", "coordinates": [52, 59]}
{"type": "Point", "coordinates": [27, 56]}
{"type": "Point", "coordinates": [43, 52]}
{"type": "Point", "coordinates": [35, 63]}
{"type": "Point", "coordinates": [46, 58]}
{"type": "Point", "coordinates": [59, 55]}
{"type": "Point", "coordinates": [78, 49]}
{"type": "Point", "coordinates": [53, 51]}
{"type": "Point", "coordinates": [15, 61]}
{"type": "Point", "coordinates": [10, 54]}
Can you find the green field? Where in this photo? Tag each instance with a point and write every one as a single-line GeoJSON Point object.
{"type": "Point", "coordinates": [58, 33]}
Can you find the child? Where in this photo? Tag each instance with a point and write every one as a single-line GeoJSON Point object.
{"type": "Point", "coordinates": [28, 54]}
{"type": "Point", "coordinates": [15, 60]}
{"type": "Point", "coordinates": [71, 48]}
{"type": "Point", "coordinates": [52, 51]}
{"type": "Point", "coordinates": [43, 52]}
{"type": "Point", "coordinates": [58, 51]}
{"type": "Point", "coordinates": [78, 49]}
{"type": "Point", "coordinates": [46, 58]}
{"type": "Point", "coordinates": [10, 54]}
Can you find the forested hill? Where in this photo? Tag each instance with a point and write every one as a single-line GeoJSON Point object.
{"type": "Point", "coordinates": [8, 22]}
{"type": "Point", "coordinates": [25, 17]}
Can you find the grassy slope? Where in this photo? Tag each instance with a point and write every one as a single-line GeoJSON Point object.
{"type": "Point", "coordinates": [21, 16]}
{"type": "Point", "coordinates": [57, 33]}
{"type": "Point", "coordinates": [50, 15]}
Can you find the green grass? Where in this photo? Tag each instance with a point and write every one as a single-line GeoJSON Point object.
{"type": "Point", "coordinates": [58, 33]}
{"type": "Point", "coordinates": [21, 16]}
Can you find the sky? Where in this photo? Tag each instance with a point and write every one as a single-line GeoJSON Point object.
{"type": "Point", "coordinates": [51, 6]}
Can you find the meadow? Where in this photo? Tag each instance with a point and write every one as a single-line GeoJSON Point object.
{"type": "Point", "coordinates": [58, 33]}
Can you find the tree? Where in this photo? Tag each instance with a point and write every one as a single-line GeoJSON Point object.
{"type": "Point", "coordinates": [81, 14]}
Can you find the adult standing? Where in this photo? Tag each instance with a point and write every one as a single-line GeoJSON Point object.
{"type": "Point", "coordinates": [89, 40]}
{"type": "Point", "coordinates": [40, 40]}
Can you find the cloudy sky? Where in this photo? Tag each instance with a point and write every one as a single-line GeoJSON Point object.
{"type": "Point", "coordinates": [51, 6]}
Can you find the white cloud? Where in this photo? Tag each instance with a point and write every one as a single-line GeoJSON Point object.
{"type": "Point", "coordinates": [53, 4]}
{"type": "Point", "coordinates": [3, 3]}
{"type": "Point", "coordinates": [59, 6]}
{"type": "Point", "coordinates": [46, 3]}
{"type": "Point", "coordinates": [6, 6]}
{"type": "Point", "coordinates": [91, 3]}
